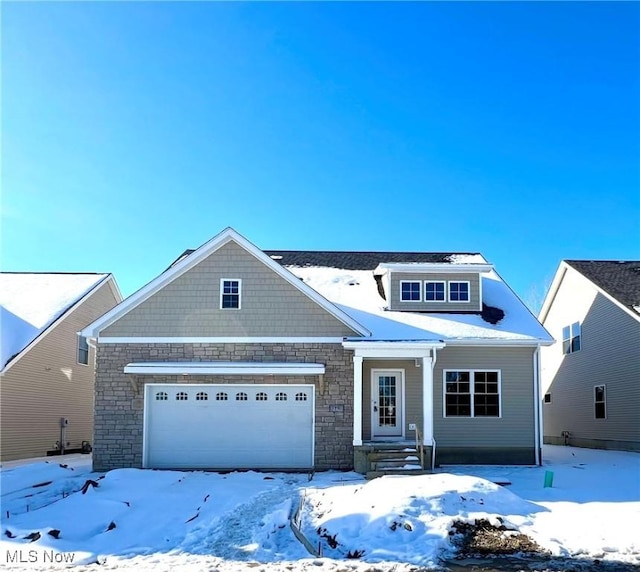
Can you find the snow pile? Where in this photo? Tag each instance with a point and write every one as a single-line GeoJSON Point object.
{"type": "Point", "coordinates": [30, 302]}
{"type": "Point", "coordinates": [404, 518]}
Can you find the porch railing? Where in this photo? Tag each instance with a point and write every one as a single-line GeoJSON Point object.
{"type": "Point", "coordinates": [420, 446]}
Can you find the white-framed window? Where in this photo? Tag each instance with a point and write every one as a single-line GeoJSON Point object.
{"type": "Point", "coordinates": [571, 338]}
{"type": "Point", "coordinates": [459, 291]}
{"type": "Point", "coordinates": [410, 291]}
{"type": "Point", "coordinates": [435, 291]}
{"type": "Point", "coordinates": [472, 393]}
{"type": "Point", "coordinates": [230, 291]}
{"type": "Point", "coordinates": [83, 350]}
{"type": "Point", "coordinates": [600, 401]}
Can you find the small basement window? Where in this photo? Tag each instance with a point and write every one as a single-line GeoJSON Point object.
{"type": "Point", "coordinates": [230, 293]}
{"type": "Point", "coordinates": [410, 291]}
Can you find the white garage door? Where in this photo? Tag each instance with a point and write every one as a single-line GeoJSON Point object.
{"type": "Point", "coordinates": [228, 426]}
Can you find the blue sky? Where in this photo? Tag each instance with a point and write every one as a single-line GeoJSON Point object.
{"type": "Point", "coordinates": [132, 131]}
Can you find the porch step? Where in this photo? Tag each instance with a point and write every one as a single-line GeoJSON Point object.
{"type": "Point", "coordinates": [414, 470]}
{"type": "Point", "coordinates": [385, 454]}
{"type": "Point", "coordinates": [395, 462]}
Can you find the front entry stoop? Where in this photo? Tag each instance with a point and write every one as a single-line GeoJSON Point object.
{"type": "Point", "coordinates": [380, 459]}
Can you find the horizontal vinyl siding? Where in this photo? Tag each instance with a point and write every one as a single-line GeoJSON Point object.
{"type": "Point", "coordinates": [412, 388]}
{"type": "Point", "coordinates": [190, 305]}
{"type": "Point", "coordinates": [474, 304]}
{"type": "Point", "coordinates": [610, 356]}
{"type": "Point", "coordinates": [516, 427]}
{"type": "Point", "coordinates": [47, 383]}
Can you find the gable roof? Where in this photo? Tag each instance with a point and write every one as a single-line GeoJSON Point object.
{"type": "Point", "coordinates": [619, 279]}
{"type": "Point", "coordinates": [191, 258]}
{"type": "Point", "coordinates": [32, 303]}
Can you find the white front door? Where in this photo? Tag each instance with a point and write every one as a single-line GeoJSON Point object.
{"type": "Point", "coordinates": [387, 394]}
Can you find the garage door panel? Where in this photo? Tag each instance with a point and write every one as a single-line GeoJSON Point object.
{"type": "Point", "coordinates": [267, 427]}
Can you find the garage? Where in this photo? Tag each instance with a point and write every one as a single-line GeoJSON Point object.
{"type": "Point", "coordinates": [228, 426]}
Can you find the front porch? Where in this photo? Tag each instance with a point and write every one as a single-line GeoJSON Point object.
{"type": "Point", "coordinates": [393, 413]}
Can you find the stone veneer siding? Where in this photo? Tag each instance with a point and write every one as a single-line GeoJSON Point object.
{"type": "Point", "coordinates": [119, 397]}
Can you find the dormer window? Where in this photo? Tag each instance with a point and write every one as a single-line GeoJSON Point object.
{"type": "Point", "coordinates": [458, 291]}
{"type": "Point", "coordinates": [410, 291]}
{"type": "Point", "coordinates": [435, 291]}
{"type": "Point", "coordinates": [230, 293]}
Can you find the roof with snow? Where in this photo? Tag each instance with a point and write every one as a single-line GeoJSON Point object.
{"type": "Point", "coordinates": [347, 279]}
{"type": "Point", "coordinates": [31, 302]}
{"type": "Point", "coordinates": [619, 279]}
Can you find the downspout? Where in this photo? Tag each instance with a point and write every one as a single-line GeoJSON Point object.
{"type": "Point", "coordinates": [433, 440]}
{"type": "Point", "coordinates": [537, 404]}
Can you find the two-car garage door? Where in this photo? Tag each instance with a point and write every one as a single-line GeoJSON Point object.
{"type": "Point", "coordinates": [228, 426]}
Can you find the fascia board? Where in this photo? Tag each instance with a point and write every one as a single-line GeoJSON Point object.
{"type": "Point", "coordinates": [553, 290]}
{"type": "Point", "coordinates": [422, 267]}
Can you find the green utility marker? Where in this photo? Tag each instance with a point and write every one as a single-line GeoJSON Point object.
{"type": "Point", "coordinates": [548, 479]}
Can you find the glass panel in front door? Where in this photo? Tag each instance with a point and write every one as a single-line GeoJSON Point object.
{"type": "Point", "coordinates": [386, 406]}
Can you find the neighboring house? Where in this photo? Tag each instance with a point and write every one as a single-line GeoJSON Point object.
{"type": "Point", "coordinates": [236, 357]}
{"type": "Point", "coordinates": [592, 380]}
{"type": "Point", "coordinates": [46, 369]}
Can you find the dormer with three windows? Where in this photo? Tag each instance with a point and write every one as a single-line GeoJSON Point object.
{"type": "Point", "coordinates": [433, 287]}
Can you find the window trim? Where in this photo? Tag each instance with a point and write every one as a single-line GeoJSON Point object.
{"type": "Point", "coordinates": [571, 338]}
{"type": "Point", "coordinates": [446, 288]}
{"type": "Point", "coordinates": [80, 338]}
{"type": "Point", "coordinates": [472, 382]}
{"type": "Point", "coordinates": [419, 283]}
{"type": "Point", "coordinates": [467, 301]}
{"type": "Point", "coordinates": [604, 401]}
{"type": "Point", "coordinates": [239, 281]}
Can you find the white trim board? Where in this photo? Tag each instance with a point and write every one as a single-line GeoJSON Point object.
{"type": "Point", "coordinates": [224, 368]}
{"type": "Point", "coordinates": [227, 235]}
{"type": "Point", "coordinates": [217, 340]}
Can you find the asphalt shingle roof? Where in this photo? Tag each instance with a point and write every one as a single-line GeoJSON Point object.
{"type": "Point", "coordinates": [620, 279]}
{"type": "Point", "coordinates": [356, 260]}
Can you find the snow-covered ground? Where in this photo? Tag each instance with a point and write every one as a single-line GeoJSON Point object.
{"type": "Point", "coordinates": [168, 520]}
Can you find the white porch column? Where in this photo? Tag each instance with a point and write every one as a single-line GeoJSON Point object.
{"type": "Point", "coordinates": [357, 400]}
{"type": "Point", "coordinates": [427, 400]}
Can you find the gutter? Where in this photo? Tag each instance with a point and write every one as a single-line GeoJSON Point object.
{"type": "Point", "coordinates": [537, 409]}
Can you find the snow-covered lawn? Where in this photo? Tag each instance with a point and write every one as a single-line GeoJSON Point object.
{"type": "Point", "coordinates": [164, 520]}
